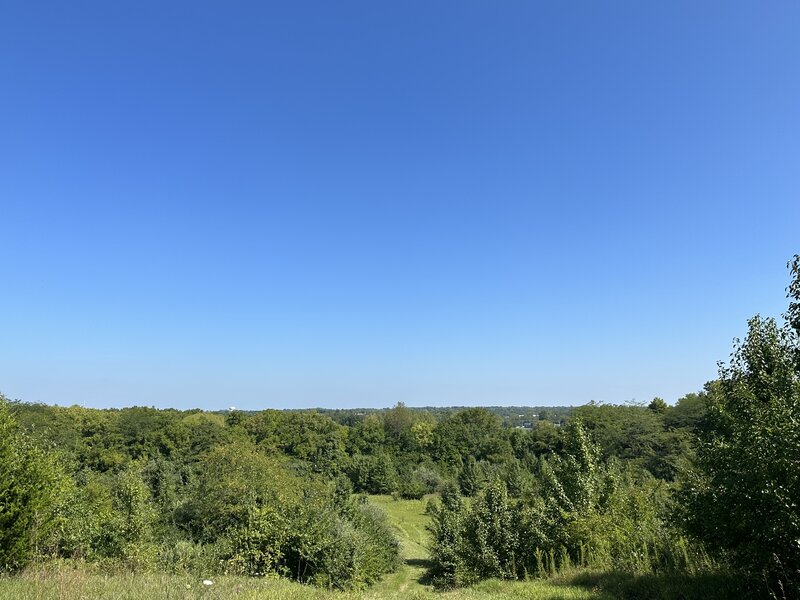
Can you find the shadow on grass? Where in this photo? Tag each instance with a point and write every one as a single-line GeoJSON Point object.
{"type": "Point", "coordinates": [422, 563]}
{"type": "Point", "coordinates": [627, 586]}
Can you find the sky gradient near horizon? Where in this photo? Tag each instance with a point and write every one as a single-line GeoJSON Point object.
{"type": "Point", "coordinates": [344, 204]}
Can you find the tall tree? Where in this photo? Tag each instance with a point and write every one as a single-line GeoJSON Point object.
{"type": "Point", "coordinates": [744, 499]}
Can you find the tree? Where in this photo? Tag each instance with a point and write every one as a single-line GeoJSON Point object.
{"type": "Point", "coordinates": [744, 497]}
{"type": "Point", "coordinates": [492, 534]}
{"type": "Point", "coordinates": [468, 477]}
{"type": "Point", "coordinates": [630, 432]}
{"type": "Point", "coordinates": [793, 312]}
{"type": "Point", "coordinates": [32, 490]}
{"type": "Point", "coordinates": [446, 527]}
{"type": "Point", "coordinates": [397, 423]}
{"type": "Point", "coordinates": [471, 432]}
{"type": "Point", "coordinates": [689, 412]}
{"type": "Point", "coordinates": [658, 405]}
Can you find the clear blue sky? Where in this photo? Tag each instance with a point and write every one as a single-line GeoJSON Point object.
{"type": "Point", "coordinates": [295, 204]}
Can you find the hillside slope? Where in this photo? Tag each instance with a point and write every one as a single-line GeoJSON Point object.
{"type": "Point", "coordinates": [68, 581]}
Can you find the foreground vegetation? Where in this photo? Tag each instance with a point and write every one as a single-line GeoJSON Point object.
{"type": "Point", "coordinates": [68, 580]}
{"type": "Point", "coordinates": [72, 580]}
{"type": "Point", "coordinates": [69, 584]}
{"type": "Point", "coordinates": [636, 501]}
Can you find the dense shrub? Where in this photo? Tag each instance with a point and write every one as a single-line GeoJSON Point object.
{"type": "Point", "coordinates": [587, 512]}
{"type": "Point", "coordinates": [33, 492]}
{"type": "Point", "coordinates": [448, 568]}
{"type": "Point", "coordinates": [418, 481]}
{"type": "Point", "coordinates": [491, 532]}
{"type": "Point", "coordinates": [110, 517]}
{"type": "Point", "coordinates": [266, 519]}
{"type": "Point", "coordinates": [374, 473]}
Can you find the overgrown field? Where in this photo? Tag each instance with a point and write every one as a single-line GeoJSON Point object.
{"type": "Point", "coordinates": [79, 581]}
{"type": "Point", "coordinates": [71, 581]}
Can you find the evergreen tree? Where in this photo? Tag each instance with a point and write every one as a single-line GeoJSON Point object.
{"type": "Point", "coordinates": [468, 477]}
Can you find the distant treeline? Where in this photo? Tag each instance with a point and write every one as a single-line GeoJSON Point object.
{"type": "Point", "coordinates": [403, 450]}
{"type": "Point", "coordinates": [510, 416]}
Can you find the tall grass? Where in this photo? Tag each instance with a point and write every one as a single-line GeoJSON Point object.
{"type": "Point", "coordinates": [64, 581]}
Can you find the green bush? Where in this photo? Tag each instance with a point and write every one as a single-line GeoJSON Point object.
{"type": "Point", "coordinates": [418, 481]}
{"type": "Point", "coordinates": [374, 473]}
{"type": "Point", "coordinates": [110, 518]}
{"type": "Point", "coordinates": [448, 569]}
{"type": "Point", "coordinates": [33, 491]}
{"type": "Point", "coordinates": [185, 556]}
{"type": "Point", "coordinates": [589, 513]}
{"type": "Point", "coordinates": [264, 519]}
{"type": "Point", "coordinates": [491, 531]}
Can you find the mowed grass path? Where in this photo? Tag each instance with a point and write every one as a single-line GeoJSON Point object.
{"type": "Point", "coordinates": [64, 581]}
{"type": "Point", "coordinates": [409, 521]}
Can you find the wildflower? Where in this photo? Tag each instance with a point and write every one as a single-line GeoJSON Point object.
{"type": "Point", "coordinates": [207, 582]}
